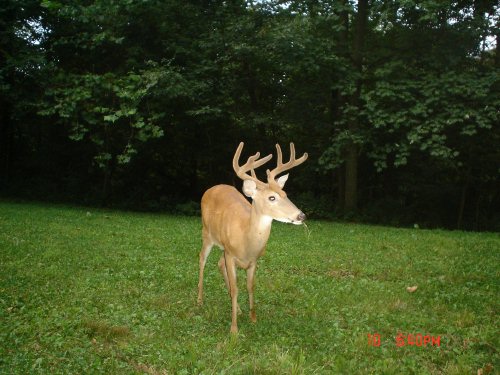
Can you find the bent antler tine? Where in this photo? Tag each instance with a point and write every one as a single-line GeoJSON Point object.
{"type": "Point", "coordinates": [262, 161]}
{"type": "Point", "coordinates": [250, 160]}
{"type": "Point", "coordinates": [253, 163]}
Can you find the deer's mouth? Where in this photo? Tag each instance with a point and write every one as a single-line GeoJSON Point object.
{"type": "Point", "coordinates": [290, 221]}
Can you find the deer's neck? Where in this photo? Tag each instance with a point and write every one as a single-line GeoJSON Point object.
{"type": "Point", "coordinates": [260, 229]}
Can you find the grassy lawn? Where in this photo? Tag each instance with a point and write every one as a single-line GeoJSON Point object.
{"type": "Point", "coordinates": [88, 291]}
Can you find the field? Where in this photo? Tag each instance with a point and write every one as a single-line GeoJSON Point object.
{"type": "Point", "coordinates": [93, 291]}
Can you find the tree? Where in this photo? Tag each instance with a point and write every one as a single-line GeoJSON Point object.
{"type": "Point", "coordinates": [142, 103]}
{"type": "Point", "coordinates": [112, 86]}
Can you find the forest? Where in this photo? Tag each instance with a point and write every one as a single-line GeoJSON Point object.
{"type": "Point", "coordinates": [140, 105]}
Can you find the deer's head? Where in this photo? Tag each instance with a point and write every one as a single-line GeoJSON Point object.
{"type": "Point", "coordinates": [269, 198]}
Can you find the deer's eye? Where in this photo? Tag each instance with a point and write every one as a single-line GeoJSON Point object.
{"type": "Point", "coordinates": [272, 198]}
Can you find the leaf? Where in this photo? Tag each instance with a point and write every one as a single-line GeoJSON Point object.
{"type": "Point", "coordinates": [110, 118]}
{"type": "Point", "coordinates": [51, 4]}
{"type": "Point", "coordinates": [411, 289]}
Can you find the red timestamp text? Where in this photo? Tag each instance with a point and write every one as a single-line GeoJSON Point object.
{"type": "Point", "coordinates": [403, 339]}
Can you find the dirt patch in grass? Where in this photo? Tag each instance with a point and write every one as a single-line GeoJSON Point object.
{"type": "Point", "coordinates": [342, 273]}
{"type": "Point", "coordinates": [105, 331]}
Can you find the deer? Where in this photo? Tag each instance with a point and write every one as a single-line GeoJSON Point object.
{"type": "Point", "coordinates": [241, 229]}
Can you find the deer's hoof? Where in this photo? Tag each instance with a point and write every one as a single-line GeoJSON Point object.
{"type": "Point", "coordinates": [234, 330]}
{"type": "Point", "coordinates": [253, 316]}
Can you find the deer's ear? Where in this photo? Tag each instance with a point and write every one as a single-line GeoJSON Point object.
{"type": "Point", "coordinates": [281, 181]}
{"type": "Point", "coordinates": [249, 188]}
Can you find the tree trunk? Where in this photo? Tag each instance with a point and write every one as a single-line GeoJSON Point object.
{"type": "Point", "coordinates": [351, 155]}
{"type": "Point", "coordinates": [461, 207]}
{"type": "Point", "coordinates": [338, 100]}
{"type": "Point", "coordinates": [463, 199]}
{"type": "Point", "coordinates": [341, 189]}
{"type": "Point", "coordinates": [497, 50]}
{"type": "Point", "coordinates": [6, 139]}
{"type": "Point", "coordinates": [351, 179]}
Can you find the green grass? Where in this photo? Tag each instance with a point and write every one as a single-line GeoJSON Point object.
{"type": "Point", "coordinates": [89, 291]}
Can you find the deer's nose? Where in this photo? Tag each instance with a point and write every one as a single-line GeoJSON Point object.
{"type": "Point", "coordinates": [301, 216]}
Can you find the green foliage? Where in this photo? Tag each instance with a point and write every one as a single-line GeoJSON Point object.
{"type": "Point", "coordinates": [122, 92]}
{"type": "Point", "coordinates": [316, 207]}
{"type": "Point", "coordinates": [140, 103]}
{"type": "Point", "coordinates": [188, 209]}
{"type": "Point", "coordinates": [429, 113]}
{"type": "Point", "coordinates": [100, 291]}
{"type": "Point", "coordinates": [114, 109]}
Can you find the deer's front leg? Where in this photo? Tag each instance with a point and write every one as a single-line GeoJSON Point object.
{"type": "Point", "coordinates": [233, 291]}
{"type": "Point", "coordinates": [250, 288]}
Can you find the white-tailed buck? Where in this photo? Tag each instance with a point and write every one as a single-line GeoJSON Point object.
{"type": "Point", "coordinates": [242, 229]}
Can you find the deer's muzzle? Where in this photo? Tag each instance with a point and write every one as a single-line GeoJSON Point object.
{"type": "Point", "coordinates": [301, 216]}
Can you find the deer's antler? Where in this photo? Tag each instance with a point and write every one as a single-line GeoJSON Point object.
{"type": "Point", "coordinates": [252, 163]}
{"type": "Point", "coordinates": [282, 167]}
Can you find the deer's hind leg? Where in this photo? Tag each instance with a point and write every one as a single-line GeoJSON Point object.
{"type": "Point", "coordinates": [204, 253]}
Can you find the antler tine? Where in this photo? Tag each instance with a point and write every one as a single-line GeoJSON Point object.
{"type": "Point", "coordinates": [281, 167]}
{"type": "Point", "coordinates": [252, 163]}
{"type": "Point", "coordinates": [280, 155]}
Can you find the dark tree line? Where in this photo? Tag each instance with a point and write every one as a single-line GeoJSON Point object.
{"type": "Point", "coordinates": [140, 104]}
